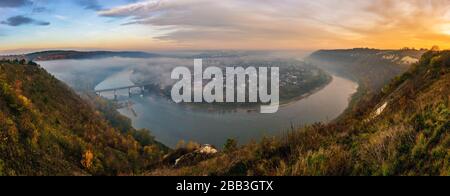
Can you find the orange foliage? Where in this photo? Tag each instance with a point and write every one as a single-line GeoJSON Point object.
{"type": "Point", "coordinates": [87, 159]}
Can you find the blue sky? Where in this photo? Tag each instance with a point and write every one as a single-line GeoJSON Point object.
{"type": "Point", "coordinates": [61, 23]}
{"type": "Point", "coordinates": [222, 24]}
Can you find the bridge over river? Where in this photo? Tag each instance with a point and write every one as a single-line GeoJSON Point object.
{"type": "Point", "coordinates": [129, 88]}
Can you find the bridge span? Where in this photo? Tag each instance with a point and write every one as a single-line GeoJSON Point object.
{"type": "Point", "coordinates": [114, 90]}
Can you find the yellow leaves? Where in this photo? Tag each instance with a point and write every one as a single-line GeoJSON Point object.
{"type": "Point", "coordinates": [25, 101]}
{"type": "Point", "coordinates": [87, 160]}
{"type": "Point", "coordinates": [133, 154]}
{"type": "Point", "coordinates": [191, 145]}
{"type": "Point", "coordinates": [150, 150]}
{"type": "Point", "coordinates": [14, 96]}
{"type": "Point", "coordinates": [18, 90]}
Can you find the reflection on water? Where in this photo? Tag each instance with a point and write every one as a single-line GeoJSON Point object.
{"type": "Point", "coordinates": [170, 122]}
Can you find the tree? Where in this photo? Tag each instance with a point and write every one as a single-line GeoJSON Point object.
{"type": "Point", "coordinates": [191, 145]}
{"type": "Point", "coordinates": [435, 48]}
{"type": "Point", "coordinates": [32, 63]}
{"type": "Point", "coordinates": [230, 145]}
{"type": "Point", "coordinates": [87, 159]}
{"type": "Point", "coordinates": [180, 144]}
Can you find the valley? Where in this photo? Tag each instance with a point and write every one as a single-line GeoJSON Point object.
{"type": "Point", "coordinates": [330, 131]}
{"type": "Point", "coordinates": [217, 89]}
{"type": "Point", "coordinates": [306, 90]}
{"type": "Point", "coordinates": [402, 131]}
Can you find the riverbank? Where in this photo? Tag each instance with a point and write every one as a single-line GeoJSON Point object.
{"type": "Point", "coordinates": [159, 114]}
{"type": "Point", "coordinates": [170, 122]}
{"type": "Point", "coordinates": [254, 107]}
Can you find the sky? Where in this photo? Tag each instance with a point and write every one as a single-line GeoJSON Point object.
{"type": "Point", "coordinates": [222, 24]}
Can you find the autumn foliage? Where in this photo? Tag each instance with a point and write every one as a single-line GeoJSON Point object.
{"type": "Point", "coordinates": [47, 129]}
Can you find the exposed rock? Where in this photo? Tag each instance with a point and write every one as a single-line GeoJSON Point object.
{"type": "Point", "coordinates": [381, 109]}
{"type": "Point", "coordinates": [171, 158]}
{"type": "Point", "coordinates": [208, 149]}
{"type": "Point", "coordinates": [409, 60]}
{"type": "Point", "coordinates": [203, 153]}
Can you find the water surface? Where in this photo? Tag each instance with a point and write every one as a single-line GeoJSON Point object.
{"type": "Point", "coordinates": [170, 122]}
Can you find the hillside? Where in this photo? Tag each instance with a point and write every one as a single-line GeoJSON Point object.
{"type": "Point", "coordinates": [47, 129]}
{"type": "Point", "coordinates": [402, 130]}
{"type": "Point", "coordinates": [372, 68]}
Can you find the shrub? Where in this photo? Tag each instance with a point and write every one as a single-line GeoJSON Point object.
{"type": "Point", "coordinates": [381, 153]}
{"type": "Point", "coordinates": [1, 168]}
{"type": "Point", "coordinates": [231, 145]}
{"type": "Point", "coordinates": [332, 161]}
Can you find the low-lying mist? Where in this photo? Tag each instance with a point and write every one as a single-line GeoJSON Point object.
{"type": "Point", "coordinates": [85, 75]}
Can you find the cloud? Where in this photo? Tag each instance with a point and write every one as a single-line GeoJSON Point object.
{"type": "Point", "coordinates": [89, 4]}
{"type": "Point", "coordinates": [40, 10]}
{"type": "Point", "coordinates": [232, 21]}
{"type": "Point", "coordinates": [14, 3]}
{"type": "Point", "coordinates": [288, 22]}
{"type": "Point", "coordinates": [61, 17]}
{"type": "Point", "coordinates": [20, 20]}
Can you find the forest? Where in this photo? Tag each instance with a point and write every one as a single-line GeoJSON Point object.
{"type": "Point", "coordinates": [47, 129]}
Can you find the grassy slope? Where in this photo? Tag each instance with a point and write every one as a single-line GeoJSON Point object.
{"type": "Point", "coordinates": [410, 137]}
{"type": "Point", "coordinates": [47, 129]}
{"type": "Point", "coordinates": [371, 68]}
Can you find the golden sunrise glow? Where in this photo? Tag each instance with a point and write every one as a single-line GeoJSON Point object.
{"type": "Point", "coordinates": [235, 24]}
{"type": "Point", "coordinates": [445, 29]}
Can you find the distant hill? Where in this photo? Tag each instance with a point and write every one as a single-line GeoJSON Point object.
{"type": "Point", "coordinates": [373, 68]}
{"type": "Point", "coordinates": [70, 54]}
{"type": "Point", "coordinates": [56, 55]}
{"type": "Point", "coordinates": [47, 129]}
{"type": "Point", "coordinates": [404, 129]}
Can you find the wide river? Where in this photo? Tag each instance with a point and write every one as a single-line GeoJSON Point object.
{"type": "Point", "coordinates": [170, 122]}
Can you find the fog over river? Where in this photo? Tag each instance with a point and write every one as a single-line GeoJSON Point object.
{"type": "Point", "coordinates": [170, 122]}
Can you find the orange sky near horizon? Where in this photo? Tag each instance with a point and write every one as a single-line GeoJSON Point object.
{"type": "Point", "coordinates": [234, 24]}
